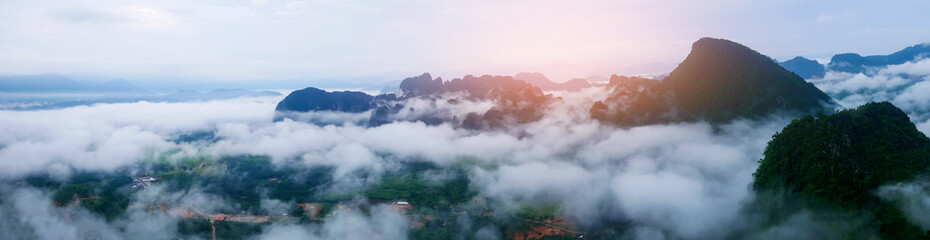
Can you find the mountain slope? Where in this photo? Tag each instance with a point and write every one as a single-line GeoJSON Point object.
{"type": "Point", "coordinates": [838, 161]}
{"type": "Point", "coordinates": [719, 81]}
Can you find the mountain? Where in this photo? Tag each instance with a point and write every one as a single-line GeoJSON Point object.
{"type": "Point", "coordinates": [421, 85]}
{"type": "Point", "coordinates": [217, 94]}
{"type": "Point", "coordinates": [315, 99]}
{"type": "Point", "coordinates": [514, 102]}
{"type": "Point", "coordinates": [597, 79]}
{"type": "Point", "coordinates": [855, 63]}
{"type": "Point", "coordinates": [838, 161]}
{"type": "Point", "coordinates": [41, 100]}
{"type": "Point", "coordinates": [40, 83]}
{"type": "Point", "coordinates": [237, 93]}
{"type": "Point", "coordinates": [630, 84]}
{"type": "Point", "coordinates": [719, 81]}
{"type": "Point", "coordinates": [542, 82]}
{"type": "Point", "coordinates": [58, 83]}
{"type": "Point", "coordinates": [804, 67]}
{"type": "Point", "coordinates": [622, 90]}
{"type": "Point", "coordinates": [115, 85]}
{"type": "Point", "coordinates": [478, 88]}
{"type": "Point", "coordinates": [575, 84]}
{"type": "Point", "coordinates": [432, 101]}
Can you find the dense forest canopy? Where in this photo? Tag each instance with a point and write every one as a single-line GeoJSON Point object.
{"type": "Point", "coordinates": [838, 161]}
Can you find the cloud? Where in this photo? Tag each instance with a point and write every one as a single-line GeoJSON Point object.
{"type": "Point", "coordinates": [912, 198]}
{"type": "Point", "coordinates": [328, 117]}
{"type": "Point", "coordinates": [259, 3]}
{"type": "Point", "coordinates": [821, 19]}
{"type": "Point", "coordinates": [807, 225]}
{"type": "Point", "coordinates": [685, 179]}
{"type": "Point", "coordinates": [904, 85]}
{"type": "Point", "coordinates": [842, 82]}
{"type": "Point", "coordinates": [83, 15]}
{"type": "Point", "coordinates": [107, 136]}
{"type": "Point", "coordinates": [915, 98]}
{"type": "Point", "coordinates": [917, 67]}
{"type": "Point", "coordinates": [681, 180]}
{"type": "Point", "coordinates": [29, 214]}
{"type": "Point", "coordinates": [380, 224]}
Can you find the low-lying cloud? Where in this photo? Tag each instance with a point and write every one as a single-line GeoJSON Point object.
{"type": "Point", "coordinates": [686, 180]}
{"type": "Point", "coordinates": [903, 85]}
{"type": "Point", "coordinates": [382, 223]}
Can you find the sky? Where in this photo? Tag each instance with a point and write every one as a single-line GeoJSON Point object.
{"type": "Point", "coordinates": [255, 42]}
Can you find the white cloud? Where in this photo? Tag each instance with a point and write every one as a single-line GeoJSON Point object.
{"type": "Point", "coordinates": [677, 180]}
{"type": "Point", "coordinates": [915, 98]}
{"type": "Point", "coordinates": [381, 224]}
{"type": "Point", "coordinates": [259, 3]}
{"type": "Point", "coordinates": [912, 199]}
{"type": "Point", "coordinates": [826, 18]}
{"type": "Point", "coordinates": [904, 85]}
{"type": "Point", "coordinates": [30, 214]}
{"type": "Point", "coordinates": [107, 136]}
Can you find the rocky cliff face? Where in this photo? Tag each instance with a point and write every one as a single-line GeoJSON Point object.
{"type": "Point", "coordinates": [514, 102]}
{"type": "Point", "coordinates": [432, 101]}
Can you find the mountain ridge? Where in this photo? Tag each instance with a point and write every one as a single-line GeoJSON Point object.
{"type": "Point", "coordinates": [718, 81]}
{"type": "Point", "coordinates": [60, 83]}
{"type": "Point", "coordinates": [855, 63]}
{"type": "Point", "coordinates": [542, 82]}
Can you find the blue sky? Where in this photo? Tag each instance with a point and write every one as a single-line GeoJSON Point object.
{"type": "Point", "coordinates": [250, 42]}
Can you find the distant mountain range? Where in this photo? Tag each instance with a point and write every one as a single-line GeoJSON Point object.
{"type": "Point", "coordinates": [58, 83]}
{"type": "Point", "coordinates": [719, 81]}
{"type": "Point", "coordinates": [190, 95]}
{"type": "Point", "coordinates": [855, 63]}
{"type": "Point", "coordinates": [541, 81]}
{"type": "Point", "coordinates": [513, 102]}
{"type": "Point", "coordinates": [804, 67]}
{"type": "Point", "coordinates": [42, 100]}
{"type": "Point", "coordinates": [30, 92]}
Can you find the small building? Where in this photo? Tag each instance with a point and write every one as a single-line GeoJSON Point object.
{"type": "Point", "coordinates": [404, 205]}
{"type": "Point", "coordinates": [401, 207]}
{"type": "Point", "coordinates": [221, 217]}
